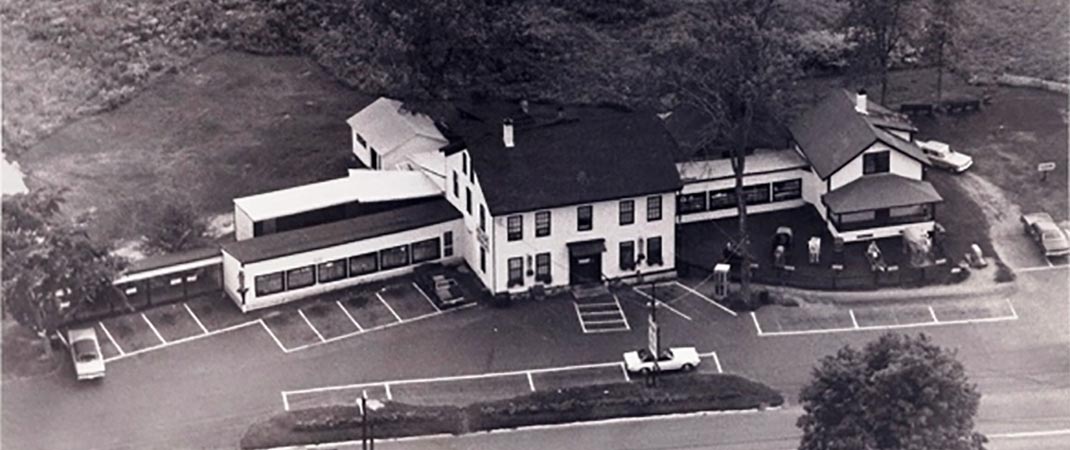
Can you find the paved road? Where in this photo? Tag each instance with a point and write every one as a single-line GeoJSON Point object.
{"type": "Point", "coordinates": [205, 393]}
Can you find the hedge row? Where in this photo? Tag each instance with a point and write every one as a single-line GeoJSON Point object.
{"type": "Point", "coordinates": [674, 394]}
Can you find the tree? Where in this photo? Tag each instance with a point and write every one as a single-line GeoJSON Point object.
{"type": "Point", "coordinates": [943, 22]}
{"type": "Point", "coordinates": [732, 62]}
{"type": "Point", "coordinates": [899, 392]}
{"type": "Point", "coordinates": [877, 27]}
{"type": "Point", "coordinates": [51, 268]}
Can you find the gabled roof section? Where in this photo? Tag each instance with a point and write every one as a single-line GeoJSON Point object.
{"type": "Point", "coordinates": [589, 155]}
{"type": "Point", "coordinates": [873, 192]}
{"type": "Point", "coordinates": [386, 125]}
{"type": "Point", "coordinates": [832, 133]}
{"type": "Point", "coordinates": [362, 185]}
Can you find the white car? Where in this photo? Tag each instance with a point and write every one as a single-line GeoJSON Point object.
{"type": "Point", "coordinates": [676, 358]}
{"type": "Point", "coordinates": [85, 350]}
{"type": "Point", "coordinates": [941, 155]}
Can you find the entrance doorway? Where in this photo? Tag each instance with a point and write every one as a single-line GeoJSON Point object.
{"type": "Point", "coordinates": [585, 261]}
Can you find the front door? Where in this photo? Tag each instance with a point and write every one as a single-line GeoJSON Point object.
{"type": "Point", "coordinates": [585, 269]}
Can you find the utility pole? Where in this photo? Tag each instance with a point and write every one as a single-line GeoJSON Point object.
{"type": "Point", "coordinates": [654, 334]}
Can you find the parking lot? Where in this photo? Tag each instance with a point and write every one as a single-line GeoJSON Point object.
{"type": "Point", "coordinates": [329, 319]}
{"type": "Point", "coordinates": [464, 389]}
{"type": "Point", "coordinates": [822, 319]}
{"type": "Point", "coordinates": [685, 301]}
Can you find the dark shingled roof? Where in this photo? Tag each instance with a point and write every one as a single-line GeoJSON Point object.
{"type": "Point", "coordinates": [172, 259]}
{"type": "Point", "coordinates": [345, 231]}
{"type": "Point", "coordinates": [832, 133]}
{"type": "Point", "coordinates": [593, 154]}
{"type": "Point", "coordinates": [880, 191]}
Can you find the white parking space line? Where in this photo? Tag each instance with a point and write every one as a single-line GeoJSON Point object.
{"type": "Point", "coordinates": [717, 362]}
{"type": "Point", "coordinates": [273, 337]}
{"type": "Point", "coordinates": [1043, 268]}
{"type": "Point", "coordinates": [196, 319]}
{"type": "Point", "coordinates": [154, 330]}
{"type": "Point", "coordinates": [433, 305]}
{"type": "Point", "coordinates": [756, 324]}
{"type": "Point", "coordinates": [350, 316]}
{"type": "Point", "coordinates": [386, 387]}
{"type": "Point", "coordinates": [62, 339]}
{"type": "Point", "coordinates": [854, 321]}
{"type": "Point", "coordinates": [661, 303]}
{"type": "Point", "coordinates": [707, 299]}
{"type": "Point", "coordinates": [1011, 305]}
{"type": "Point", "coordinates": [887, 327]}
{"type": "Point", "coordinates": [396, 316]}
{"type": "Point", "coordinates": [531, 382]}
{"type": "Point", "coordinates": [285, 402]}
{"type": "Point", "coordinates": [622, 316]}
{"type": "Point", "coordinates": [624, 370]}
{"type": "Point", "coordinates": [181, 341]}
{"type": "Point", "coordinates": [313, 327]}
{"type": "Point", "coordinates": [932, 312]}
{"type": "Point", "coordinates": [110, 338]}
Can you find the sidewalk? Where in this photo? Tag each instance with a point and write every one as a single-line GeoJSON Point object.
{"type": "Point", "coordinates": [980, 283]}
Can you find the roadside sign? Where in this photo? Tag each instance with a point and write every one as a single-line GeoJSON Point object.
{"type": "Point", "coordinates": [1046, 167]}
{"type": "Point", "coordinates": [652, 336]}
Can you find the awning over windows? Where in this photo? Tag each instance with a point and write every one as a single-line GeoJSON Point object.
{"type": "Point", "coordinates": [586, 248]}
{"type": "Point", "coordinates": [873, 192]}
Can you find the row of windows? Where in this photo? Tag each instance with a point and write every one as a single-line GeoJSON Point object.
{"type": "Point", "coordinates": [364, 264]}
{"type": "Point", "coordinates": [541, 272]}
{"type": "Point", "coordinates": [584, 218]}
{"type": "Point", "coordinates": [756, 194]}
{"type": "Point", "coordinates": [628, 261]}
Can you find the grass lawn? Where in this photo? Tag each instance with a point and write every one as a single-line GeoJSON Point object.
{"type": "Point", "coordinates": [234, 124]}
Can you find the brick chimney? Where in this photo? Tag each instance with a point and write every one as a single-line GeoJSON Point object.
{"type": "Point", "coordinates": [861, 102]}
{"type": "Point", "coordinates": [507, 133]}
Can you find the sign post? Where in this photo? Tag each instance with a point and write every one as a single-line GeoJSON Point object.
{"type": "Point", "coordinates": [653, 335]}
{"type": "Point", "coordinates": [1044, 168]}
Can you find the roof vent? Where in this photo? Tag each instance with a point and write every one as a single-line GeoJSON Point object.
{"type": "Point", "coordinates": [507, 133]}
{"type": "Point", "coordinates": [861, 103]}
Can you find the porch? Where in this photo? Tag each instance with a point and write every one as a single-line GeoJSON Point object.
{"type": "Point", "coordinates": [880, 206]}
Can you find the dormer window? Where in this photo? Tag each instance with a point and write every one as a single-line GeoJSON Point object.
{"type": "Point", "coordinates": [876, 162]}
{"type": "Point", "coordinates": [360, 140]}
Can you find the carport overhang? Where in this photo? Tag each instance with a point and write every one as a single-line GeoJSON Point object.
{"type": "Point", "coordinates": [589, 247]}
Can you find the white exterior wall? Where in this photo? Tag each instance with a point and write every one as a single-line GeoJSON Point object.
{"type": "Point", "coordinates": [469, 242]}
{"type": "Point", "coordinates": [243, 225]}
{"type": "Point", "coordinates": [231, 266]}
{"type": "Point", "coordinates": [898, 164]}
{"type": "Point", "coordinates": [563, 229]}
{"type": "Point", "coordinates": [726, 183]}
{"type": "Point", "coordinates": [362, 153]}
{"type": "Point", "coordinates": [881, 232]}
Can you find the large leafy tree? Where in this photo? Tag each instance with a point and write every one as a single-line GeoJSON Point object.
{"type": "Point", "coordinates": [877, 27]}
{"type": "Point", "coordinates": [940, 35]}
{"type": "Point", "coordinates": [51, 267]}
{"type": "Point", "coordinates": [731, 59]}
{"type": "Point", "coordinates": [899, 392]}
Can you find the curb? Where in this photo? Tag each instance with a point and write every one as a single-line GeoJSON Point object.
{"type": "Point", "coordinates": [585, 423]}
{"type": "Point", "coordinates": [883, 297]}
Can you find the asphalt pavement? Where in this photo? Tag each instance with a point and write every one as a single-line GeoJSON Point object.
{"type": "Point", "coordinates": [203, 394]}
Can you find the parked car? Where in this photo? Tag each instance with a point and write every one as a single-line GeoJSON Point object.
{"type": "Point", "coordinates": [1042, 228]}
{"type": "Point", "coordinates": [942, 156]}
{"type": "Point", "coordinates": [676, 358]}
{"type": "Point", "coordinates": [85, 351]}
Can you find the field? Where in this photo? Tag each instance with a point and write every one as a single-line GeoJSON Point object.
{"type": "Point", "coordinates": [231, 125]}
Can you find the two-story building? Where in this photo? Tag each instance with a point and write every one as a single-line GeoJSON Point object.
{"type": "Point", "coordinates": [866, 177]}
{"type": "Point", "coordinates": [553, 201]}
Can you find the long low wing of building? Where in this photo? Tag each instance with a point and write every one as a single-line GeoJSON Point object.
{"type": "Point", "coordinates": [286, 266]}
